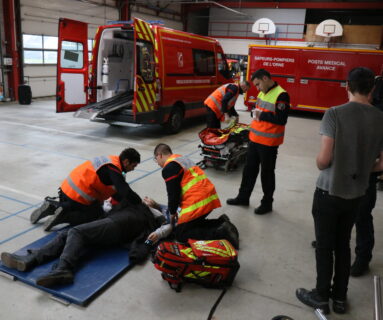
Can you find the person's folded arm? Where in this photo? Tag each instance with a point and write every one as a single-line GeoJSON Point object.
{"type": "Point", "coordinates": [123, 190]}
{"type": "Point", "coordinates": [325, 154]}
{"type": "Point", "coordinates": [282, 107]}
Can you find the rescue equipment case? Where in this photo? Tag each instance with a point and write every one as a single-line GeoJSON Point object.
{"type": "Point", "coordinates": [224, 148]}
{"type": "Point", "coordinates": [210, 263]}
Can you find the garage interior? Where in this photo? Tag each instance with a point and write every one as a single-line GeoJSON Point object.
{"type": "Point", "coordinates": [39, 147]}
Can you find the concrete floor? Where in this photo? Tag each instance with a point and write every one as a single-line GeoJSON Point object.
{"type": "Point", "coordinates": [40, 147]}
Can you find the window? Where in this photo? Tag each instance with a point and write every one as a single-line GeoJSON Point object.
{"type": "Point", "coordinates": [41, 49]}
{"type": "Point", "coordinates": [90, 49]}
{"type": "Point", "coordinates": [50, 42]}
{"type": "Point", "coordinates": [204, 62]}
{"type": "Point", "coordinates": [145, 59]}
{"type": "Point", "coordinates": [71, 55]}
{"type": "Point", "coordinates": [33, 57]}
{"type": "Point", "coordinates": [223, 68]}
{"type": "Point", "coordinates": [32, 41]}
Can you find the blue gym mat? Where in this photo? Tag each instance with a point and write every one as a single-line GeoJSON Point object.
{"type": "Point", "coordinates": [98, 269]}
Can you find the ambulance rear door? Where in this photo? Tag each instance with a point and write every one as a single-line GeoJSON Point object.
{"type": "Point", "coordinates": [72, 66]}
{"type": "Point", "coordinates": [145, 86]}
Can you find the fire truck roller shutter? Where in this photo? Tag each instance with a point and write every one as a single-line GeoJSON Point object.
{"type": "Point", "coordinates": [174, 123]}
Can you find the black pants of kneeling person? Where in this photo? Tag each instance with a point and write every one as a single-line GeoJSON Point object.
{"type": "Point", "coordinates": [364, 224]}
{"type": "Point", "coordinates": [211, 119]}
{"type": "Point", "coordinates": [72, 244]}
{"type": "Point", "coordinates": [334, 218]}
{"type": "Point", "coordinates": [77, 213]}
{"type": "Point", "coordinates": [198, 229]}
{"type": "Point", "coordinates": [258, 157]}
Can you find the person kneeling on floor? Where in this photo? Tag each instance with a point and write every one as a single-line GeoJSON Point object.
{"type": "Point", "coordinates": [82, 193]}
{"type": "Point", "coordinates": [191, 198]}
{"type": "Point", "coordinates": [128, 225]}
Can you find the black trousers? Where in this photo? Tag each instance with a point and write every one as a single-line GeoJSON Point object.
{"type": "Point", "coordinates": [211, 119]}
{"type": "Point", "coordinates": [77, 213]}
{"type": "Point", "coordinates": [198, 229]}
{"type": "Point", "coordinates": [364, 224]}
{"type": "Point", "coordinates": [334, 218]}
{"type": "Point", "coordinates": [72, 244]}
{"type": "Point", "coordinates": [264, 157]}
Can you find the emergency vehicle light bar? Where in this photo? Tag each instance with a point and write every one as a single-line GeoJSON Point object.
{"type": "Point", "coordinates": [157, 22]}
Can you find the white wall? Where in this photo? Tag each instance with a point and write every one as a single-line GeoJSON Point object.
{"type": "Point", "coordinates": [167, 23]}
{"type": "Point", "coordinates": [240, 46]}
{"type": "Point", "coordinates": [283, 16]}
{"type": "Point", "coordinates": [41, 17]}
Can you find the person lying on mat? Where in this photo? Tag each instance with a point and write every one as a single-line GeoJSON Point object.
{"type": "Point", "coordinates": [123, 225]}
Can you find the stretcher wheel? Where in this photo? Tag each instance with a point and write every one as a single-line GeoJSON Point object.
{"type": "Point", "coordinates": [202, 164]}
{"type": "Point", "coordinates": [176, 287]}
{"type": "Point", "coordinates": [231, 163]}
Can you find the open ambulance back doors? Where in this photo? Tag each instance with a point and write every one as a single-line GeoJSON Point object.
{"type": "Point", "coordinates": [140, 73]}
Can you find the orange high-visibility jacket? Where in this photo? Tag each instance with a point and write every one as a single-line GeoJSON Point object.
{"type": "Point", "coordinates": [214, 101]}
{"type": "Point", "coordinates": [198, 195]}
{"type": "Point", "coordinates": [264, 132]}
{"type": "Point", "coordinates": [83, 184]}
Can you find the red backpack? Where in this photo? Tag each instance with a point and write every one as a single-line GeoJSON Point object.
{"type": "Point", "coordinates": [211, 263]}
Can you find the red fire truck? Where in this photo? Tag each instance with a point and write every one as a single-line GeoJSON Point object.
{"type": "Point", "coordinates": [140, 73]}
{"type": "Point", "coordinates": [315, 78]}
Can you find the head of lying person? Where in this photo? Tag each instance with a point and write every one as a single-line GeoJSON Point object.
{"type": "Point", "coordinates": [141, 213]}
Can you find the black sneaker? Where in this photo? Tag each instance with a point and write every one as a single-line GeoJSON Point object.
{"type": "Point", "coordinates": [46, 209]}
{"type": "Point", "coordinates": [55, 278]}
{"type": "Point", "coordinates": [359, 268]}
{"type": "Point", "coordinates": [263, 209]}
{"type": "Point", "coordinates": [237, 202]}
{"type": "Point", "coordinates": [312, 299]}
{"type": "Point", "coordinates": [58, 217]}
{"type": "Point", "coordinates": [20, 263]}
{"type": "Point", "coordinates": [339, 306]}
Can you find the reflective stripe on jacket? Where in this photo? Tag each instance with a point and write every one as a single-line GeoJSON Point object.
{"type": "Point", "coordinates": [264, 132]}
{"type": "Point", "coordinates": [83, 184]}
{"type": "Point", "coordinates": [214, 101]}
{"type": "Point", "coordinates": [198, 194]}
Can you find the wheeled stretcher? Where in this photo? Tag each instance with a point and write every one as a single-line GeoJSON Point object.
{"type": "Point", "coordinates": [224, 148]}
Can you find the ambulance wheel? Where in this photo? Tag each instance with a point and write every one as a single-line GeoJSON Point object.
{"type": "Point", "coordinates": [174, 123]}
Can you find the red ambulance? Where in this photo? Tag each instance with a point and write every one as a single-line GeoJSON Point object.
{"type": "Point", "coordinates": [315, 78]}
{"type": "Point", "coordinates": [140, 73]}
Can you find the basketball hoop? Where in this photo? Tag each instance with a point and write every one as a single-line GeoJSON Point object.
{"type": "Point", "coordinates": [329, 28]}
{"type": "Point", "coordinates": [263, 27]}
